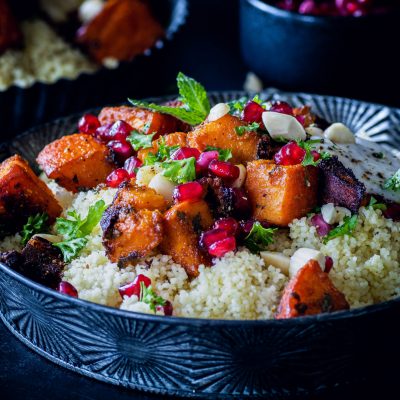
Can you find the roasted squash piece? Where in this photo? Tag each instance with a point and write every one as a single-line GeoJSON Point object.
{"type": "Point", "coordinates": [183, 224]}
{"type": "Point", "coordinates": [142, 120]}
{"type": "Point", "coordinates": [76, 162]}
{"type": "Point", "coordinates": [10, 34]}
{"type": "Point", "coordinates": [221, 133]}
{"type": "Point", "coordinates": [23, 194]}
{"type": "Point", "coordinates": [129, 234]}
{"type": "Point", "coordinates": [310, 292]}
{"type": "Point", "coordinates": [281, 193]}
{"type": "Point", "coordinates": [139, 197]}
{"type": "Point", "coordinates": [122, 30]}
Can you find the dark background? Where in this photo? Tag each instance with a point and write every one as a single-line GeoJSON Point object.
{"type": "Point", "coordinates": [211, 55]}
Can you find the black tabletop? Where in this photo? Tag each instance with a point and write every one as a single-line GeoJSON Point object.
{"type": "Point", "coordinates": [211, 54]}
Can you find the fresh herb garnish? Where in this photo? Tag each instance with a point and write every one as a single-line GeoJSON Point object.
{"type": "Point", "coordinates": [194, 97]}
{"type": "Point", "coordinates": [393, 183]}
{"type": "Point", "coordinates": [373, 203]}
{"type": "Point", "coordinates": [140, 141]}
{"type": "Point", "coordinates": [345, 228]}
{"type": "Point", "coordinates": [180, 171]}
{"type": "Point", "coordinates": [148, 296]}
{"type": "Point", "coordinates": [224, 154]}
{"type": "Point", "coordinates": [259, 238]}
{"type": "Point", "coordinates": [241, 130]}
{"type": "Point", "coordinates": [308, 146]}
{"type": "Point", "coordinates": [35, 224]}
{"type": "Point", "coordinates": [74, 229]}
{"type": "Point", "coordinates": [164, 153]}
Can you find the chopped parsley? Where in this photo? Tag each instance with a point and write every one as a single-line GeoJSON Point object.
{"type": "Point", "coordinates": [345, 228]}
{"type": "Point", "coordinates": [180, 171]}
{"type": "Point", "coordinates": [140, 141]}
{"type": "Point", "coordinates": [373, 203]}
{"type": "Point", "coordinates": [241, 130]}
{"type": "Point", "coordinates": [308, 146]}
{"type": "Point", "coordinates": [164, 153]}
{"type": "Point", "coordinates": [196, 105]}
{"type": "Point", "coordinates": [35, 224]}
{"type": "Point", "coordinates": [148, 296]}
{"type": "Point", "coordinates": [259, 238]}
{"type": "Point", "coordinates": [393, 183]}
{"type": "Point", "coordinates": [224, 154]}
{"type": "Point", "coordinates": [71, 248]}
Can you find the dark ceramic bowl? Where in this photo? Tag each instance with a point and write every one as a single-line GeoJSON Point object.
{"type": "Point", "coordinates": [268, 359]}
{"type": "Point", "coordinates": [345, 56]}
{"type": "Point", "coordinates": [23, 108]}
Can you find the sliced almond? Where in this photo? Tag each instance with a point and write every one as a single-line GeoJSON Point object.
{"type": "Point", "coordinates": [340, 134]}
{"type": "Point", "coordinates": [283, 126]}
{"type": "Point", "coordinates": [276, 259]}
{"type": "Point", "coordinates": [218, 111]}
{"type": "Point", "coordinates": [239, 182]}
{"type": "Point", "coordinates": [163, 186]}
{"type": "Point", "coordinates": [302, 256]}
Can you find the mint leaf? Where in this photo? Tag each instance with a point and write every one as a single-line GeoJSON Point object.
{"type": "Point", "coordinates": [373, 202]}
{"type": "Point", "coordinates": [35, 224]}
{"type": "Point", "coordinates": [259, 238]}
{"type": "Point", "coordinates": [241, 130]}
{"type": "Point", "coordinates": [393, 183]}
{"type": "Point", "coordinates": [71, 248]}
{"type": "Point", "coordinates": [148, 296]}
{"type": "Point", "coordinates": [224, 154]}
{"type": "Point", "coordinates": [345, 228]}
{"type": "Point", "coordinates": [140, 141]}
{"type": "Point", "coordinates": [180, 171]}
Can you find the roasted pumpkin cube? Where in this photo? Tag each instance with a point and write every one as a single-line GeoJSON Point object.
{"type": "Point", "coordinates": [281, 193]}
{"type": "Point", "coordinates": [129, 234]}
{"type": "Point", "coordinates": [10, 33]}
{"type": "Point", "coordinates": [139, 197]}
{"type": "Point", "coordinates": [310, 292]}
{"type": "Point", "coordinates": [23, 194]}
{"type": "Point", "coordinates": [76, 162]}
{"type": "Point", "coordinates": [221, 133]}
{"type": "Point", "coordinates": [183, 224]}
{"type": "Point", "coordinates": [122, 30]}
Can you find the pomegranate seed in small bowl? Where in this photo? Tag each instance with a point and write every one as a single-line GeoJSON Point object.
{"type": "Point", "coordinates": [167, 308]}
{"type": "Point", "coordinates": [281, 107]}
{"type": "Point", "coordinates": [131, 164]}
{"type": "Point", "coordinates": [190, 191]}
{"type": "Point", "coordinates": [224, 169]}
{"type": "Point", "coordinates": [122, 150]}
{"type": "Point", "coordinates": [220, 248]}
{"type": "Point", "coordinates": [205, 159]}
{"type": "Point", "coordinates": [185, 152]}
{"type": "Point", "coordinates": [230, 225]}
{"type": "Point", "coordinates": [252, 112]}
{"type": "Point", "coordinates": [88, 124]}
{"type": "Point", "coordinates": [68, 289]}
{"type": "Point", "coordinates": [290, 154]}
{"type": "Point", "coordinates": [133, 288]}
{"type": "Point", "coordinates": [117, 177]}
{"type": "Point", "coordinates": [214, 235]}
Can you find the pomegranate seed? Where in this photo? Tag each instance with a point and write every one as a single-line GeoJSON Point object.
{"type": "Point", "coordinates": [328, 264]}
{"type": "Point", "coordinates": [281, 107]}
{"type": "Point", "coordinates": [166, 308]}
{"type": "Point", "coordinates": [133, 288]}
{"type": "Point", "coordinates": [316, 155]}
{"type": "Point", "coordinates": [308, 7]}
{"type": "Point", "coordinates": [252, 112]}
{"type": "Point", "coordinates": [224, 169]}
{"type": "Point", "coordinates": [323, 228]}
{"type": "Point", "coordinates": [290, 154]}
{"type": "Point", "coordinates": [122, 150]}
{"type": "Point", "coordinates": [120, 130]}
{"type": "Point", "coordinates": [191, 191]}
{"type": "Point", "coordinates": [229, 225]}
{"type": "Point", "coordinates": [220, 248]}
{"type": "Point", "coordinates": [185, 152]}
{"type": "Point", "coordinates": [66, 288]}
{"type": "Point", "coordinates": [88, 124]}
{"type": "Point", "coordinates": [392, 211]}
{"type": "Point", "coordinates": [117, 177]}
{"type": "Point", "coordinates": [131, 164]}
{"type": "Point", "coordinates": [301, 119]}
{"type": "Point", "coordinates": [242, 205]}
{"type": "Point", "coordinates": [204, 160]}
{"type": "Point", "coordinates": [209, 237]}
{"type": "Point", "coordinates": [246, 226]}
{"type": "Point", "coordinates": [102, 133]}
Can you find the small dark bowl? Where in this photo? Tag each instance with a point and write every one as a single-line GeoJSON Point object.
{"type": "Point", "coordinates": [270, 359]}
{"type": "Point", "coordinates": [22, 108]}
{"type": "Point", "coordinates": [345, 56]}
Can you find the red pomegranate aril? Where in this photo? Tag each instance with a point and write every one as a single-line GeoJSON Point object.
{"type": "Point", "coordinates": [322, 227]}
{"type": "Point", "coordinates": [242, 205]}
{"type": "Point", "coordinates": [88, 124]}
{"type": "Point", "coordinates": [214, 235]}
{"type": "Point", "coordinates": [131, 164]}
{"type": "Point", "coordinates": [392, 211]}
{"type": "Point", "coordinates": [290, 154]}
{"type": "Point", "coordinates": [246, 226]}
{"type": "Point", "coordinates": [328, 264]}
{"type": "Point", "coordinates": [117, 177]}
{"type": "Point", "coordinates": [120, 130]}
{"type": "Point", "coordinates": [66, 288]}
{"type": "Point", "coordinates": [102, 133]}
{"type": "Point", "coordinates": [224, 169]}
{"type": "Point", "coordinates": [220, 248]}
{"type": "Point", "coordinates": [205, 159]}
{"type": "Point", "coordinates": [316, 155]}
{"type": "Point", "coordinates": [133, 288]}
{"type": "Point", "coordinates": [190, 191]}
{"type": "Point", "coordinates": [122, 150]}
{"type": "Point", "coordinates": [281, 107]}
{"type": "Point", "coordinates": [185, 152]}
{"type": "Point", "coordinates": [252, 112]}
{"type": "Point", "coordinates": [167, 308]}
{"type": "Point", "coordinates": [229, 225]}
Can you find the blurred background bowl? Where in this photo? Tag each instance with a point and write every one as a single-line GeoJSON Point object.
{"type": "Point", "coordinates": [22, 108]}
{"type": "Point", "coordinates": [346, 56]}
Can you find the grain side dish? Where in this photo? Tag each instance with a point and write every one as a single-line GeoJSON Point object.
{"type": "Point", "coordinates": [251, 209]}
